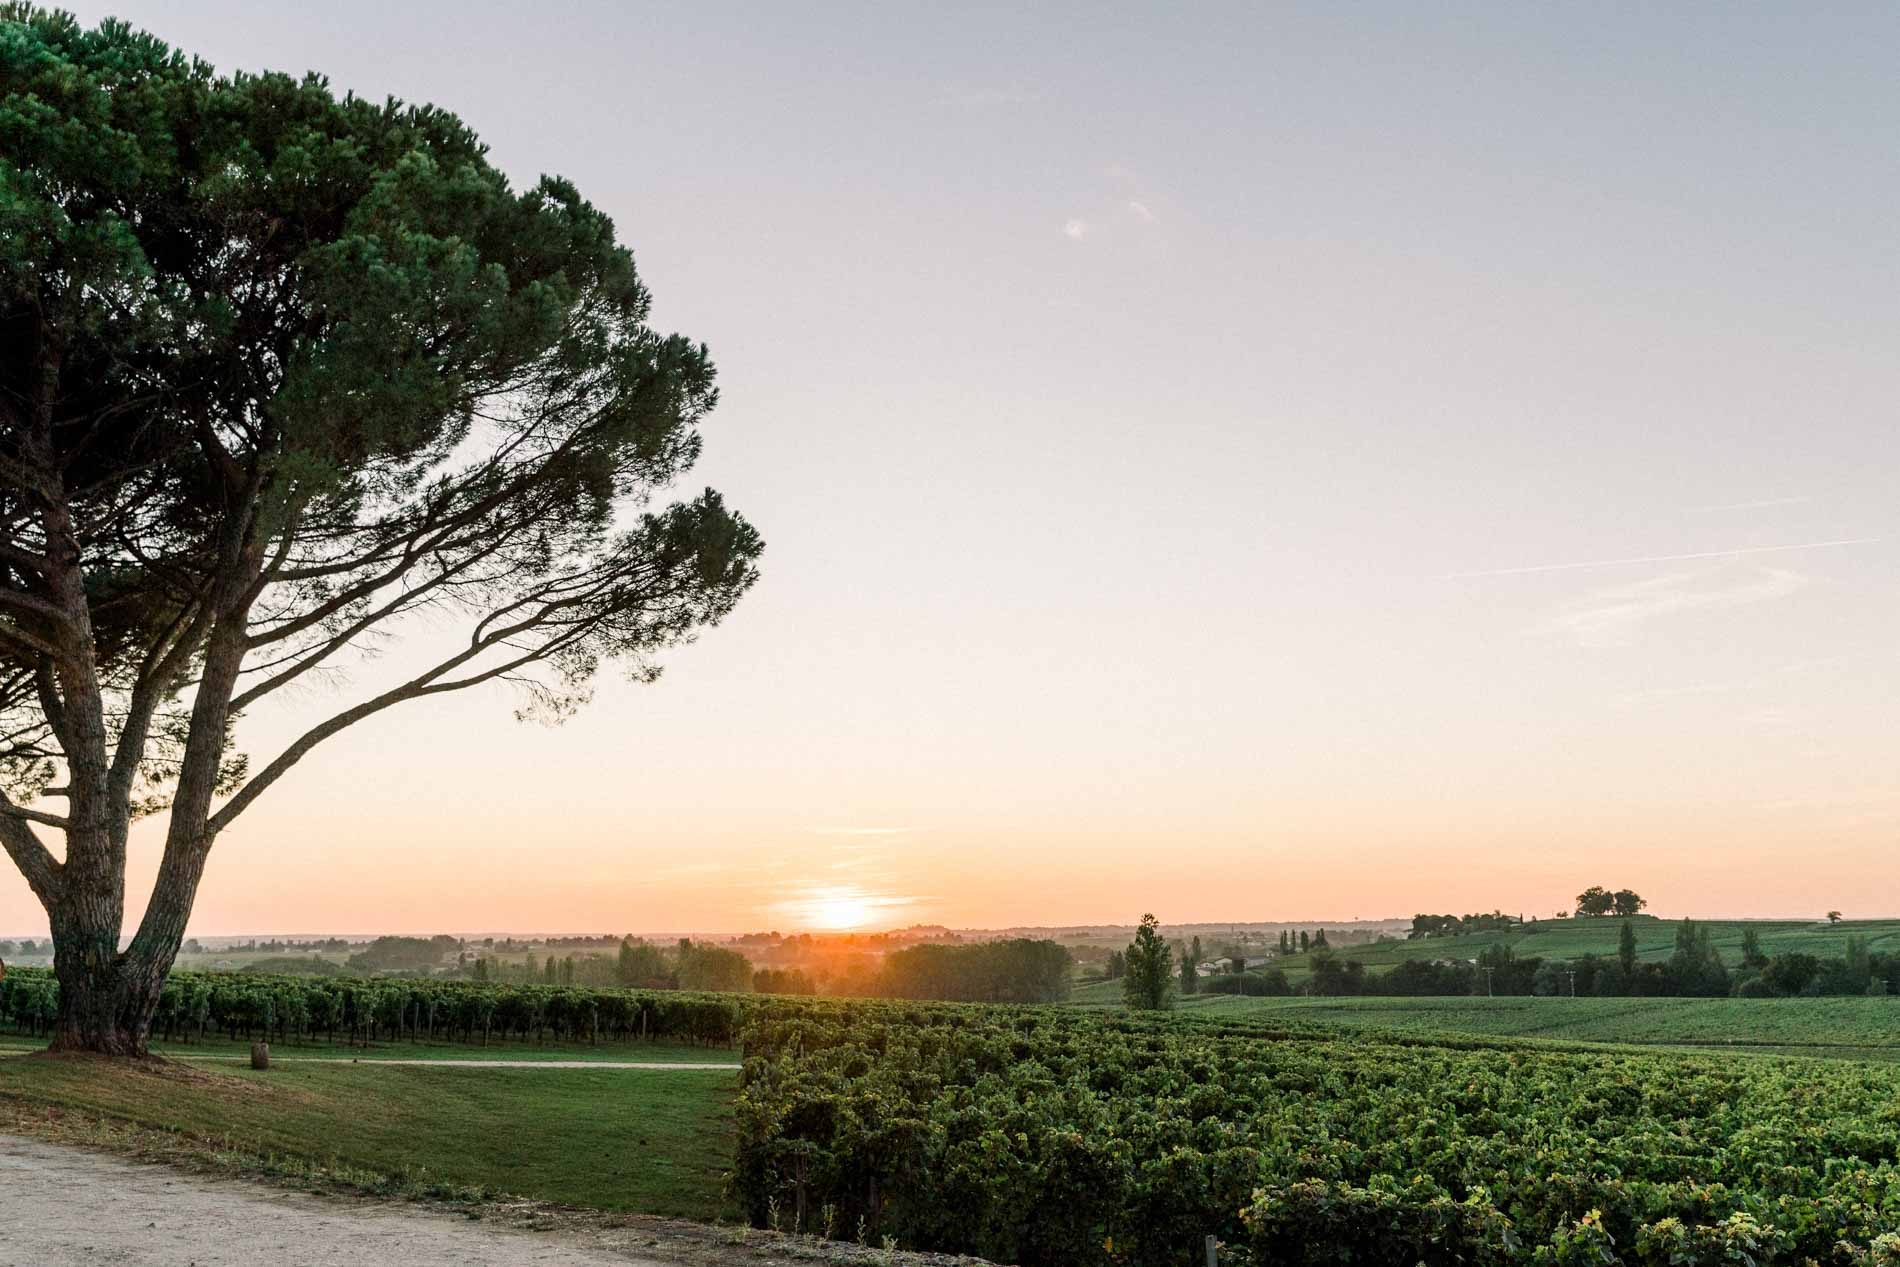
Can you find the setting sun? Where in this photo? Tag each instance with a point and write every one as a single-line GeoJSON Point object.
{"type": "Point", "coordinates": [836, 908]}
{"type": "Point", "coordinates": [839, 910]}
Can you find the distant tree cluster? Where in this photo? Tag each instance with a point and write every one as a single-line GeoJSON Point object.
{"type": "Point", "coordinates": [1019, 970]}
{"type": "Point", "coordinates": [1292, 943]}
{"type": "Point", "coordinates": [1695, 968]}
{"type": "Point", "coordinates": [1424, 926]}
{"type": "Point", "coordinates": [1266, 983]}
{"type": "Point", "coordinates": [699, 966]}
{"type": "Point", "coordinates": [1597, 900]}
{"type": "Point", "coordinates": [404, 954]}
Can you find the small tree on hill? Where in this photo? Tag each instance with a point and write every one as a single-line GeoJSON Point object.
{"type": "Point", "coordinates": [1626, 902]}
{"type": "Point", "coordinates": [1833, 917]}
{"type": "Point", "coordinates": [1595, 900]}
{"type": "Point", "coordinates": [1148, 983]}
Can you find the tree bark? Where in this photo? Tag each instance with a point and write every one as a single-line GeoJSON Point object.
{"type": "Point", "coordinates": [106, 1000]}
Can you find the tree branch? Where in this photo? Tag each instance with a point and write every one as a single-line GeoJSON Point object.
{"type": "Point", "coordinates": [33, 858]}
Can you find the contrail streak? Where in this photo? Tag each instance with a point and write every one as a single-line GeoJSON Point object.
{"type": "Point", "coordinates": [1658, 558]}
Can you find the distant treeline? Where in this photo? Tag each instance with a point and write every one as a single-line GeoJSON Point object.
{"type": "Point", "coordinates": [1454, 925]}
{"type": "Point", "coordinates": [1695, 969]}
{"type": "Point", "coordinates": [687, 965]}
{"type": "Point", "coordinates": [1020, 970]}
{"type": "Point", "coordinates": [1017, 971]}
{"type": "Point", "coordinates": [404, 954]}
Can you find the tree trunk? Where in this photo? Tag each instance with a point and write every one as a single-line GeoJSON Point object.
{"type": "Point", "coordinates": [106, 1000]}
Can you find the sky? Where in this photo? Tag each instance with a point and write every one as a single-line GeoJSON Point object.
{"type": "Point", "coordinates": [1238, 462]}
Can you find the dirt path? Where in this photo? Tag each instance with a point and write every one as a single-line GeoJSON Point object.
{"type": "Point", "coordinates": [67, 1205]}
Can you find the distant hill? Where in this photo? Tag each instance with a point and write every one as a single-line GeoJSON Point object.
{"type": "Point", "coordinates": [1655, 939]}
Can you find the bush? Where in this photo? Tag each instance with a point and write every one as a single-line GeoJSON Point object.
{"type": "Point", "coordinates": [1267, 983]}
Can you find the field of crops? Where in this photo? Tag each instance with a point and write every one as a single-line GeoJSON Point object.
{"type": "Point", "coordinates": [196, 1006]}
{"type": "Point", "coordinates": [1050, 1137]}
{"type": "Point", "coordinates": [1859, 1025]}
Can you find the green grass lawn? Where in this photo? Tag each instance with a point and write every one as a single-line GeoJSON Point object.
{"type": "Point", "coordinates": [655, 1142]}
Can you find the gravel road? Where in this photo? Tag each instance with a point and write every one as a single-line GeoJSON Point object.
{"type": "Point", "coordinates": [62, 1205]}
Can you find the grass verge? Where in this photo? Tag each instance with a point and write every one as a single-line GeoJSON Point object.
{"type": "Point", "coordinates": [646, 1141]}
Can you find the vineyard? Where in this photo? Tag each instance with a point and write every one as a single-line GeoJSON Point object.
{"type": "Point", "coordinates": [1862, 1025]}
{"type": "Point", "coordinates": [199, 1005]}
{"type": "Point", "coordinates": [1044, 1137]}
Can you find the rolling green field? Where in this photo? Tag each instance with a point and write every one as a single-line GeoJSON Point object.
{"type": "Point", "coordinates": [1860, 1027]}
{"type": "Point", "coordinates": [654, 1142]}
{"type": "Point", "coordinates": [1655, 940]}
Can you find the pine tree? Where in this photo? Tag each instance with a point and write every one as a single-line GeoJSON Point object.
{"type": "Point", "coordinates": [1626, 951]}
{"type": "Point", "coordinates": [1306, 941]}
{"type": "Point", "coordinates": [280, 370]}
{"type": "Point", "coordinates": [1190, 973]}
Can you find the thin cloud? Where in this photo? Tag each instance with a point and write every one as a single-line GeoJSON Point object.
{"type": "Point", "coordinates": [1629, 698]}
{"type": "Point", "coordinates": [1764, 504]}
{"type": "Point", "coordinates": [1075, 230]}
{"type": "Point", "coordinates": [858, 831]}
{"type": "Point", "coordinates": [1657, 558]}
{"type": "Point", "coordinates": [990, 97]}
{"type": "Point", "coordinates": [837, 907]}
{"type": "Point", "coordinates": [1616, 616]}
{"type": "Point", "coordinates": [1140, 211]}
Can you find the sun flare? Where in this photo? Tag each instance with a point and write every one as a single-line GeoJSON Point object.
{"type": "Point", "coordinates": [837, 908]}
{"type": "Point", "coordinates": [839, 912]}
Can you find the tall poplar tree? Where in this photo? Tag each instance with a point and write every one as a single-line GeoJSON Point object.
{"type": "Point", "coordinates": [1148, 978]}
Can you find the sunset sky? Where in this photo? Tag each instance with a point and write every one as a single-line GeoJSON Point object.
{"type": "Point", "coordinates": [1243, 464]}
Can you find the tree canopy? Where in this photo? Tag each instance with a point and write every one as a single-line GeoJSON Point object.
{"type": "Point", "coordinates": [279, 369]}
{"type": "Point", "coordinates": [1148, 977]}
